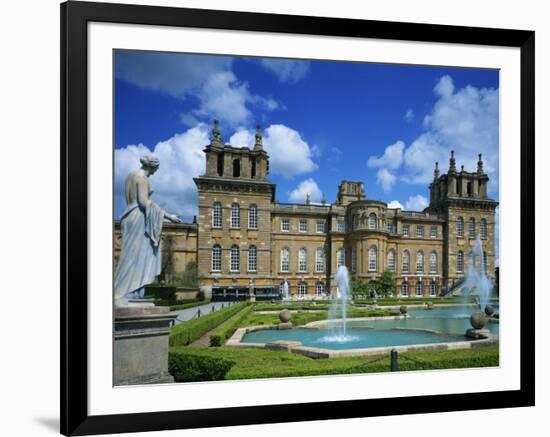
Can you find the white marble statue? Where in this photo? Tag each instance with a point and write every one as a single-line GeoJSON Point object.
{"type": "Point", "coordinates": [141, 226]}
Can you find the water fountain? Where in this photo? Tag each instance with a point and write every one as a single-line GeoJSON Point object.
{"type": "Point", "coordinates": [285, 290]}
{"type": "Point", "coordinates": [476, 280]}
{"type": "Point", "coordinates": [338, 309]}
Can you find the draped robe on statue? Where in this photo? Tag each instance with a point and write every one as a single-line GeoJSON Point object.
{"type": "Point", "coordinates": [140, 255]}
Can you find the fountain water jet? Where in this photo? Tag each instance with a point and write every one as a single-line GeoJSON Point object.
{"type": "Point", "coordinates": [338, 309]}
{"type": "Point", "coordinates": [476, 280]}
{"type": "Point", "coordinates": [285, 290]}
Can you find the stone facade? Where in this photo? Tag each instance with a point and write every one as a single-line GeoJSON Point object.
{"type": "Point", "coordinates": [247, 243]}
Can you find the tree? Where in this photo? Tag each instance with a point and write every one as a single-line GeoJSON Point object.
{"type": "Point", "coordinates": [385, 284]}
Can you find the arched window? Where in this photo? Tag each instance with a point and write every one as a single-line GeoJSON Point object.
{"type": "Point", "coordinates": [234, 262]}
{"type": "Point", "coordinates": [252, 258]}
{"type": "Point", "coordinates": [319, 260]}
{"type": "Point", "coordinates": [302, 289]}
{"type": "Point", "coordinates": [340, 257]}
{"type": "Point", "coordinates": [372, 258]}
{"type": "Point", "coordinates": [285, 259]}
{"type": "Point", "coordinates": [217, 215]}
{"type": "Point", "coordinates": [372, 221]}
{"type": "Point", "coordinates": [216, 258]}
{"type": "Point", "coordinates": [235, 216]}
{"type": "Point", "coordinates": [433, 289]}
{"type": "Point", "coordinates": [433, 262]}
{"type": "Point", "coordinates": [483, 229]}
{"type": "Point", "coordinates": [472, 227]}
{"type": "Point", "coordinates": [460, 261]}
{"type": "Point", "coordinates": [419, 261]}
{"type": "Point", "coordinates": [406, 261]}
{"type": "Point", "coordinates": [319, 289]}
{"type": "Point", "coordinates": [405, 289]}
{"type": "Point", "coordinates": [353, 259]}
{"type": "Point", "coordinates": [302, 260]}
{"type": "Point", "coordinates": [253, 217]}
{"type": "Point", "coordinates": [460, 227]}
{"type": "Point", "coordinates": [391, 260]}
{"type": "Point", "coordinates": [419, 290]}
{"type": "Point", "coordinates": [236, 168]}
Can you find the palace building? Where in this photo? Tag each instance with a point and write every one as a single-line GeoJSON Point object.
{"type": "Point", "coordinates": [246, 243]}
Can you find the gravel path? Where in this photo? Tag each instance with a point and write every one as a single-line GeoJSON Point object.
{"type": "Point", "coordinates": [204, 341]}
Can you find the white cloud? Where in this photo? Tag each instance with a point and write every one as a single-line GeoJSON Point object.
{"type": "Point", "coordinates": [416, 203]}
{"type": "Point", "coordinates": [465, 120]}
{"type": "Point", "coordinates": [308, 186]}
{"type": "Point", "coordinates": [181, 158]}
{"type": "Point", "coordinates": [289, 154]}
{"type": "Point", "coordinates": [174, 74]}
{"type": "Point", "coordinates": [392, 157]}
{"type": "Point", "coordinates": [224, 97]}
{"type": "Point", "coordinates": [409, 115]}
{"type": "Point", "coordinates": [385, 179]}
{"type": "Point", "coordinates": [286, 70]}
{"type": "Point", "coordinates": [395, 204]}
{"type": "Point", "coordinates": [209, 79]}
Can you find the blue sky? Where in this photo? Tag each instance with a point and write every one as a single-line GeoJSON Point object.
{"type": "Point", "coordinates": [322, 122]}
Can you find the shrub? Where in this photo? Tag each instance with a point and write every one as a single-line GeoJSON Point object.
{"type": "Point", "coordinates": [223, 333]}
{"type": "Point", "coordinates": [185, 305]}
{"type": "Point", "coordinates": [186, 367]}
{"type": "Point", "coordinates": [187, 332]}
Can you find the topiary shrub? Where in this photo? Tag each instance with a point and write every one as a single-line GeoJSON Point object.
{"type": "Point", "coordinates": [216, 340]}
{"type": "Point", "coordinates": [188, 367]}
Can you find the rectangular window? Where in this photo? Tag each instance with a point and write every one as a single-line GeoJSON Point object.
{"type": "Point", "coordinates": [353, 259]}
{"type": "Point", "coordinates": [303, 225]}
{"type": "Point", "coordinates": [341, 226]}
{"type": "Point", "coordinates": [319, 260]}
{"type": "Point", "coordinates": [320, 226]}
{"type": "Point", "coordinates": [391, 228]}
{"type": "Point", "coordinates": [405, 230]}
{"type": "Point", "coordinates": [433, 232]}
{"type": "Point", "coordinates": [235, 216]}
{"type": "Point", "coordinates": [217, 215]}
{"type": "Point", "coordinates": [285, 224]}
{"type": "Point", "coordinates": [252, 259]}
{"type": "Point", "coordinates": [433, 289]}
{"type": "Point", "coordinates": [419, 230]}
{"type": "Point", "coordinates": [253, 217]}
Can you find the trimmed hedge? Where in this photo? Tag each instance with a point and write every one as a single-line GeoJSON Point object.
{"type": "Point", "coordinates": [187, 367]}
{"type": "Point", "coordinates": [187, 332]}
{"type": "Point", "coordinates": [183, 306]}
{"type": "Point", "coordinates": [220, 335]}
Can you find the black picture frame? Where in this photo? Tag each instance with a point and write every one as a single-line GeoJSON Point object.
{"type": "Point", "coordinates": [75, 16]}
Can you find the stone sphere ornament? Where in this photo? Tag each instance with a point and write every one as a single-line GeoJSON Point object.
{"type": "Point", "coordinates": [430, 306]}
{"type": "Point", "coordinates": [478, 320]}
{"type": "Point", "coordinates": [284, 316]}
{"type": "Point", "coordinates": [489, 310]}
{"type": "Point", "coordinates": [403, 309]}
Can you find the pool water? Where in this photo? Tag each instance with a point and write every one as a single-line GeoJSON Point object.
{"type": "Point", "coordinates": [448, 324]}
{"type": "Point", "coordinates": [356, 339]}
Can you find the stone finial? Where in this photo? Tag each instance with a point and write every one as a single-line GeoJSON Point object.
{"type": "Point", "coordinates": [258, 145]}
{"type": "Point", "coordinates": [452, 162]}
{"type": "Point", "coordinates": [462, 168]}
{"type": "Point", "coordinates": [216, 133]}
{"type": "Point", "coordinates": [479, 164]}
{"type": "Point", "coordinates": [308, 199]}
{"type": "Point", "coordinates": [323, 200]}
{"type": "Point", "coordinates": [436, 170]}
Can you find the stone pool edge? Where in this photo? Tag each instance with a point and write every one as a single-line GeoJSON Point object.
{"type": "Point", "coordinates": [313, 352]}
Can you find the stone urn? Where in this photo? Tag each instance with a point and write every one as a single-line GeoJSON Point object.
{"type": "Point", "coordinates": [478, 320]}
{"type": "Point", "coordinates": [284, 316]}
{"type": "Point", "coordinates": [489, 310]}
{"type": "Point", "coordinates": [403, 309]}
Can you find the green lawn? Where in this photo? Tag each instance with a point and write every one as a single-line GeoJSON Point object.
{"type": "Point", "coordinates": [257, 363]}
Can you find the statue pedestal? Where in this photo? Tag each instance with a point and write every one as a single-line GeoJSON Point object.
{"type": "Point", "coordinates": [141, 345]}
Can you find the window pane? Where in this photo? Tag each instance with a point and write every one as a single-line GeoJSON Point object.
{"type": "Point", "coordinates": [235, 216]}
{"type": "Point", "coordinates": [253, 217]}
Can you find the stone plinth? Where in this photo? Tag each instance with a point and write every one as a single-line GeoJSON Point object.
{"type": "Point", "coordinates": [287, 325]}
{"type": "Point", "coordinates": [141, 345]}
{"type": "Point", "coordinates": [282, 345]}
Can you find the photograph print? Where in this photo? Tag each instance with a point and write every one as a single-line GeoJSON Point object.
{"type": "Point", "coordinates": [289, 217]}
